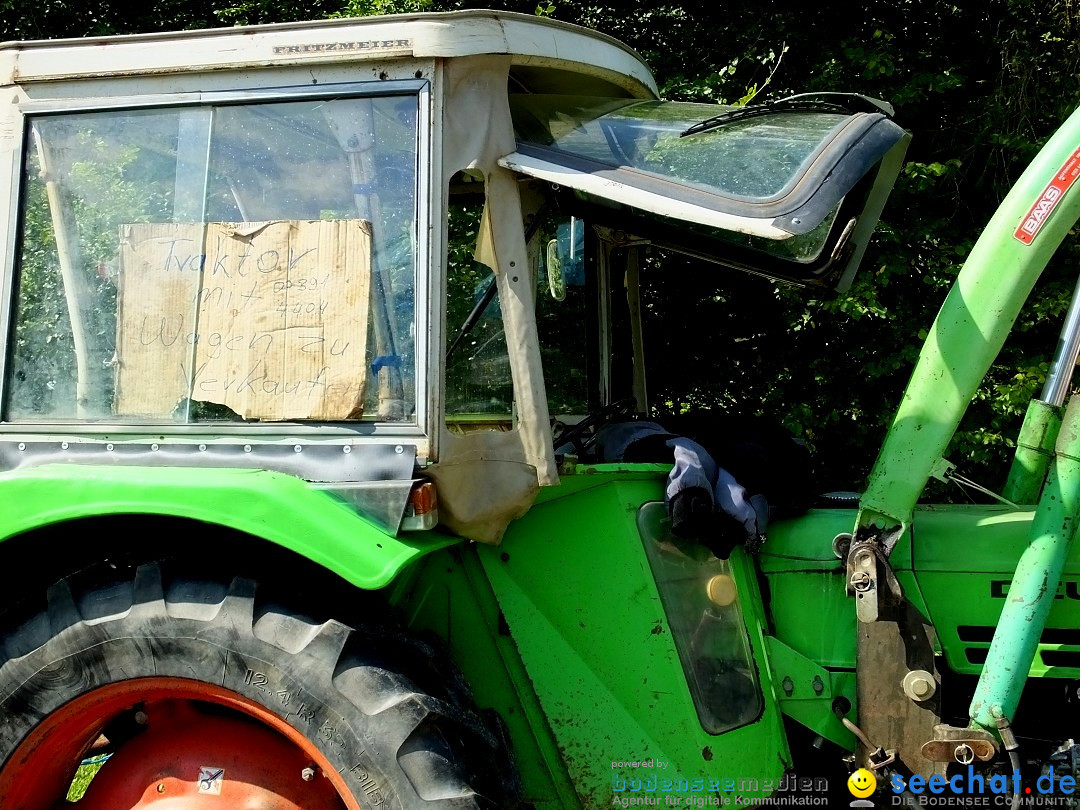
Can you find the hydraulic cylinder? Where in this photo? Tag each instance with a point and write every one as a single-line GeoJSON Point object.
{"type": "Point", "coordinates": [1034, 583]}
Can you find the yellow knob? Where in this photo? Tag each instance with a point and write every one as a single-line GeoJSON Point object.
{"type": "Point", "coordinates": [721, 590]}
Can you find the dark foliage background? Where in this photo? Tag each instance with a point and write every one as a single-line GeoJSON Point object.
{"type": "Point", "coordinates": [980, 84]}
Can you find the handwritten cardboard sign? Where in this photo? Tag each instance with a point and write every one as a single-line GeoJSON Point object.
{"type": "Point", "coordinates": [269, 319]}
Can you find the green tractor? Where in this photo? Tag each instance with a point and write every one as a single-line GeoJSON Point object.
{"type": "Point", "coordinates": [317, 335]}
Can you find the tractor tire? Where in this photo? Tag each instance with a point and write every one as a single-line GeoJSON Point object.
{"type": "Point", "coordinates": [194, 686]}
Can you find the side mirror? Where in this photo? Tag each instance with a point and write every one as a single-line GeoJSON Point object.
{"type": "Point", "coordinates": [555, 278]}
{"type": "Point", "coordinates": [565, 258]}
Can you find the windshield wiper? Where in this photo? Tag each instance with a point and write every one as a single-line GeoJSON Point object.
{"type": "Point", "coordinates": [845, 103]}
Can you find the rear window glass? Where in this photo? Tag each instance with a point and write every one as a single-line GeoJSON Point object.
{"type": "Point", "coordinates": [758, 158]}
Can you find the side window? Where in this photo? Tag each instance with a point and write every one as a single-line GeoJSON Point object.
{"type": "Point", "coordinates": [479, 386]}
{"type": "Point", "coordinates": [563, 316]}
{"type": "Point", "coordinates": [228, 262]}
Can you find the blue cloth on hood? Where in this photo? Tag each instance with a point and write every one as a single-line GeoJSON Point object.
{"type": "Point", "coordinates": [693, 467]}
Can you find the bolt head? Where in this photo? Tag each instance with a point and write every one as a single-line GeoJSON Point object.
{"type": "Point", "coordinates": [919, 685]}
{"type": "Point", "coordinates": [307, 774]}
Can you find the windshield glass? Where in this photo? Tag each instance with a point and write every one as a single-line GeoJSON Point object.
{"type": "Point", "coordinates": [248, 262]}
{"type": "Point", "coordinates": [754, 159]}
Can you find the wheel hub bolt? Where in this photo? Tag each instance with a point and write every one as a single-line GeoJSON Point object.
{"type": "Point", "coordinates": [307, 774]}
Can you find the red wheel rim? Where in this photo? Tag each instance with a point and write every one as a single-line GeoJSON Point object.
{"type": "Point", "coordinates": [187, 724]}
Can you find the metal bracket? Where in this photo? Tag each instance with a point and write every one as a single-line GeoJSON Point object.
{"type": "Point", "coordinates": [962, 745]}
{"type": "Point", "coordinates": [802, 678]}
{"type": "Point", "coordinates": [868, 566]}
{"type": "Point", "coordinates": [942, 470]}
{"type": "Point", "coordinates": [806, 691]}
{"type": "Point", "coordinates": [880, 758]}
{"type": "Point", "coordinates": [887, 651]}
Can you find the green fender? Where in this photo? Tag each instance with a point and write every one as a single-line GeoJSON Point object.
{"type": "Point", "coordinates": [274, 506]}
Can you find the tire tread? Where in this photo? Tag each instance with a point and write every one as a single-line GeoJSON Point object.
{"type": "Point", "coordinates": [432, 742]}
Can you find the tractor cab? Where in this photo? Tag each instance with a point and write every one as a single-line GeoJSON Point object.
{"type": "Point", "coordinates": [790, 190]}
{"type": "Point", "coordinates": [405, 237]}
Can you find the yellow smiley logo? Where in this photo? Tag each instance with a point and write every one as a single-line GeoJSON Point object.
{"type": "Point", "coordinates": [861, 783]}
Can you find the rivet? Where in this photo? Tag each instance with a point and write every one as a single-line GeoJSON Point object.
{"type": "Point", "coordinates": [247, 448]}
{"type": "Point", "coordinates": [109, 447]}
{"type": "Point", "coordinates": [298, 449]}
{"type": "Point", "coordinates": [399, 449]}
{"type": "Point", "coordinates": [346, 449]}
{"type": "Point", "coordinates": [22, 445]}
{"type": "Point", "coordinates": [202, 447]}
{"type": "Point", "coordinates": [63, 445]}
{"type": "Point", "coordinates": [161, 788]}
{"type": "Point", "coordinates": [154, 447]}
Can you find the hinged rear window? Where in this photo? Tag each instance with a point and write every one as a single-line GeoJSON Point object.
{"type": "Point", "coordinates": [746, 176]}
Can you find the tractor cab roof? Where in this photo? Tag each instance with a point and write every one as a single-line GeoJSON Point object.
{"type": "Point", "coordinates": [547, 56]}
